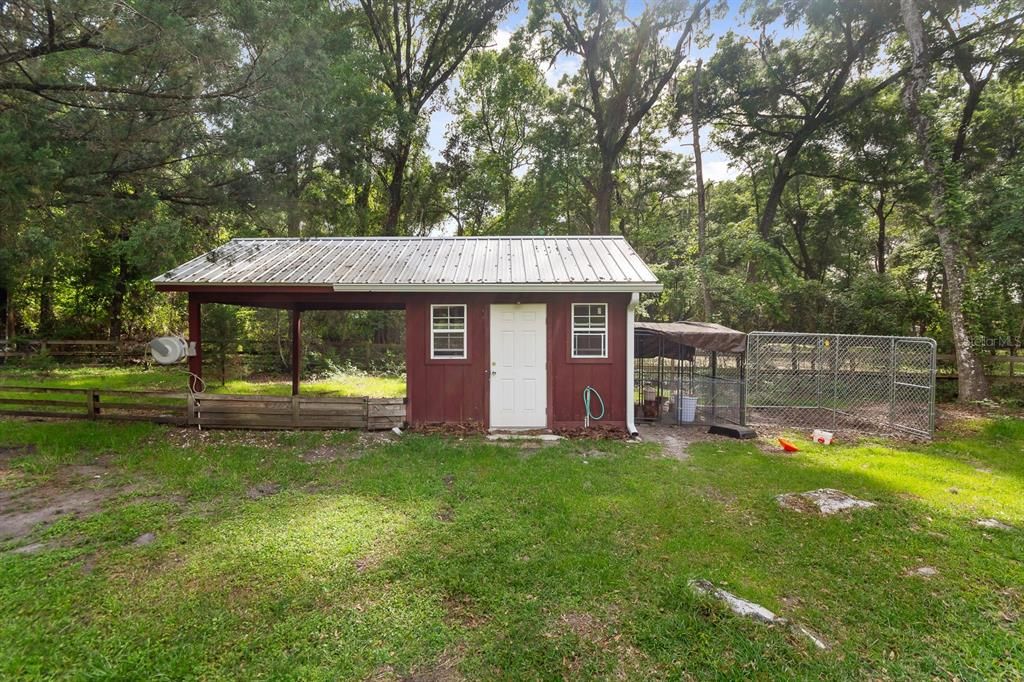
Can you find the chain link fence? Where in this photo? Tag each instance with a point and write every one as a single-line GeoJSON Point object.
{"type": "Point", "coordinates": [875, 384]}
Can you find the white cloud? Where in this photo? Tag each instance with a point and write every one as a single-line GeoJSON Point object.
{"type": "Point", "coordinates": [564, 65]}
{"type": "Point", "coordinates": [715, 171]}
{"type": "Point", "coordinates": [500, 40]}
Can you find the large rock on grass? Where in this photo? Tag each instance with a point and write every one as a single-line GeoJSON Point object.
{"type": "Point", "coordinates": [826, 502]}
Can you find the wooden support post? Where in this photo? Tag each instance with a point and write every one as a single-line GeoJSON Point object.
{"type": "Point", "coordinates": [195, 335]}
{"type": "Point", "coordinates": [296, 349]}
{"type": "Point", "coordinates": [92, 400]}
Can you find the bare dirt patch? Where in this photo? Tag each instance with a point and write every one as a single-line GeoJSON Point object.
{"type": "Point", "coordinates": [367, 563]}
{"type": "Point", "coordinates": [325, 454]}
{"type": "Point", "coordinates": [676, 440]}
{"type": "Point", "coordinates": [444, 669]}
{"type": "Point", "coordinates": [9, 452]}
{"type": "Point", "coordinates": [599, 635]}
{"type": "Point", "coordinates": [462, 611]}
{"type": "Point", "coordinates": [446, 514]}
{"type": "Point", "coordinates": [343, 452]}
{"type": "Point", "coordinates": [76, 491]}
{"type": "Point", "coordinates": [965, 419]}
{"type": "Point", "coordinates": [264, 489]}
{"type": "Point", "coordinates": [1011, 606]}
{"type": "Point", "coordinates": [189, 437]}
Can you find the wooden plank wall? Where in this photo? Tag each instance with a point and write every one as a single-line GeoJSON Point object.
{"type": "Point", "coordinates": [205, 410]}
{"type": "Point", "coordinates": [295, 412]}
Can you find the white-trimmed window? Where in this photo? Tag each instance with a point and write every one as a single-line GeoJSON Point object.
{"type": "Point", "coordinates": [590, 330]}
{"type": "Point", "coordinates": [448, 332]}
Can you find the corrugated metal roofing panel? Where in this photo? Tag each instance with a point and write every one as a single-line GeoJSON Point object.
{"type": "Point", "coordinates": [413, 264]}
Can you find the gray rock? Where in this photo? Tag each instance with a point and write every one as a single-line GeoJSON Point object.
{"type": "Point", "coordinates": [922, 572]}
{"type": "Point", "coordinates": [144, 539]}
{"type": "Point", "coordinates": [741, 607]}
{"type": "Point", "coordinates": [992, 524]}
{"type": "Point", "coordinates": [825, 501]}
{"type": "Point", "coordinates": [748, 609]}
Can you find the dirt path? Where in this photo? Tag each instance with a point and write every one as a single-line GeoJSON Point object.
{"type": "Point", "coordinates": [675, 440]}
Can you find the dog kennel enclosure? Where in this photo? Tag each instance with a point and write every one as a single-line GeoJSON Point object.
{"type": "Point", "coordinates": [689, 373]}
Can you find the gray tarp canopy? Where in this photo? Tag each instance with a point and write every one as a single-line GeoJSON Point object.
{"type": "Point", "coordinates": [654, 338]}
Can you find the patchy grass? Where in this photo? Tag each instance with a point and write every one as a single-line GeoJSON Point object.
{"type": "Point", "coordinates": [441, 558]}
{"type": "Point", "coordinates": [158, 378]}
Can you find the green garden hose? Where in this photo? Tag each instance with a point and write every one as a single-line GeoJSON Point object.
{"type": "Point", "coordinates": [587, 393]}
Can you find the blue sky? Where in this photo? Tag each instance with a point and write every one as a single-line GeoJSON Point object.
{"type": "Point", "coordinates": [716, 164]}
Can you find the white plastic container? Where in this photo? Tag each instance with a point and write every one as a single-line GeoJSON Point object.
{"type": "Point", "coordinates": [686, 408]}
{"type": "Point", "coordinates": [823, 437]}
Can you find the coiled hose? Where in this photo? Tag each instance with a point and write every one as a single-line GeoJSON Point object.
{"type": "Point", "coordinates": [588, 393]}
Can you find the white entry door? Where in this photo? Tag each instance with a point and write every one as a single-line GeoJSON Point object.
{"type": "Point", "coordinates": [519, 383]}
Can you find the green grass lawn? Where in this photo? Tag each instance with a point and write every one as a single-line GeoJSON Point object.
{"type": "Point", "coordinates": [158, 378]}
{"type": "Point", "coordinates": [441, 558]}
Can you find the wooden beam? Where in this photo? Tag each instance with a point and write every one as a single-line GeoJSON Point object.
{"type": "Point", "coordinates": [195, 335]}
{"type": "Point", "coordinates": [296, 349]}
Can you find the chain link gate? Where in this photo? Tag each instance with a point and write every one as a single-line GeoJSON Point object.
{"type": "Point", "coordinates": [880, 384]}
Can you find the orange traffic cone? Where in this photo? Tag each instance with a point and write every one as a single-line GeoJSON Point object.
{"type": "Point", "coordinates": [787, 446]}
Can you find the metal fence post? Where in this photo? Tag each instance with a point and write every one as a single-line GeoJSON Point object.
{"type": "Point", "coordinates": [893, 371]}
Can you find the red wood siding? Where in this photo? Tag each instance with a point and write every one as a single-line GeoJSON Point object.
{"type": "Point", "coordinates": [445, 390]}
{"type": "Point", "coordinates": [458, 390]}
{"type": "Point", "coordinates": [568, 376]}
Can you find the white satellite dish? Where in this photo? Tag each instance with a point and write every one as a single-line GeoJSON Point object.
{"type": "Point", "coordinates": [167, 350]}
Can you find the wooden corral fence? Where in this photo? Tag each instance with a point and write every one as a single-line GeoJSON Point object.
{"type": "Point", "coordinates": [295, 412]}
{"type": "Point", "coordinates": [210, 410]}
{"type": "Point", "coordinates": [77, 350]}
{"type": "Point", "coordinates": [1007, 368]}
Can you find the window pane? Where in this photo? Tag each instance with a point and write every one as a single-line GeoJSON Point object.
{"type": "Point", "coordinates": [449, 317]}
{"type": "Point", "coordinates": [590, 330]}
{"type": "Point", "coordinates": [589, 316]}
{"type": "Point", "coordinates": [448, 331]}
{"type": "Point", "coordinates": [589, 344]}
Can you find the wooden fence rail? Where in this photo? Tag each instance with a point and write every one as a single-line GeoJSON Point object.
{"type": "Point", "coordinates": [1011, 367]}
{"type": "Point", "coordinates": [210, 410]}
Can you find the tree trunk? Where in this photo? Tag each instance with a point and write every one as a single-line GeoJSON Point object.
{"type": "Point", "coordinates": [702, 224]}
{"type": "Point", "coordinates": [771, 204]}
{"type": "Point", "coordinates": [117, 299]}
{"type": "Point", "coordinates": [603, 190]}
{"type": "Point", "coordinates": [6, 312]}
{"type": "Point", "coordinates": [972, 384]}
{"type": "Point", "coordinates": [46, 305]}
{"type": "Point", "coordinates": [882, 242]}
{"type": "Point", "coordinates": [395, 186]}
{"type": "Point", "coordinates": [362, 205]}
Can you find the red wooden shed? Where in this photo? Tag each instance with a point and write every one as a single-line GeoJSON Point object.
{"type": "Point", "coordinates": [506, 332]}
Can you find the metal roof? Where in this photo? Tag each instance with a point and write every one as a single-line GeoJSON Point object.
{"type": "Point", "coordinates": [422, 264]}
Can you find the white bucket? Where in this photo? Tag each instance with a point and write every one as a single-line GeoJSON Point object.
{"type": "Point", "coordinates": [823, 437]}
{"type": "Point", "coordinates": [686, 408]}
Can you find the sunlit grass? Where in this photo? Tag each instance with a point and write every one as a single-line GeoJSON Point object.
{"type": "Point", "coordinates": [158, 378]}
{"type": "Point", "coordinates": [431, 556]}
